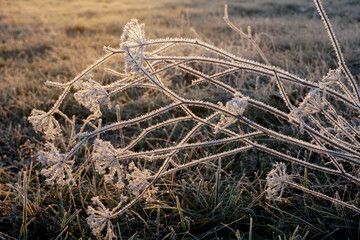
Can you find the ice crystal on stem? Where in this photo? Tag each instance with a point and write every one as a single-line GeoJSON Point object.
{"type": "Point", "coordinates": [132, 41]}
{"type": "Point", "coordinates": [45, 123]}
{"type": "Point", "coordinates": [60, 170]}
{"type": "Point", "coordinates": [276, 181]}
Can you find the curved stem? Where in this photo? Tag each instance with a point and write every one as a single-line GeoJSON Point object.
{"type": "Point", "coordinates": [337, 48]}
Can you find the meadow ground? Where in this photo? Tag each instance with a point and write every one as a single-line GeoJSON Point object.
{"type": "Point", "coordinates": [56, 40]}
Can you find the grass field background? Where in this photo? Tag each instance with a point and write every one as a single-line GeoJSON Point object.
{"type": "Point", "coordinates": [56, 40]}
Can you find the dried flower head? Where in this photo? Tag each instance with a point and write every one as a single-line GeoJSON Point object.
{"type": "Point", "coordinates": [138, 182]}
{"type": "Point", "coordinates": [45, 123]}
{"type": "Point", "coordinates": [333, 76]}
{"type": "Point", "coordinates": [91, 95]}
{"type": "Point", "coordinates": [100, 219]}
{"type": "Point", "coordinates": [312, 103]}
{"type": "Point", "coordinates": [237, 106]}
{"type": "Point", "coordinates": [105, 159]}
{"type": "Point", "coordinates": [132, 41]}
{"type": "Point", "coordinates": [60, 170]}
{"type": "Point", "coordinates": [276, 181]}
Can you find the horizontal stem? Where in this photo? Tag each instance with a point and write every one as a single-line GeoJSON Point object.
{"type": "Point", "coordinates": [323, 196]}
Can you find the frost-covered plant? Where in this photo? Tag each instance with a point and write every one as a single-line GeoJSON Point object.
{"type": "Point", "coordinates": [91, 95]}
{"type": "Point", "coordinates": [100, 219]}
{"type": "Point", "coordinates": [322, 127]}
{"type": "Point", "coordinates": [105, 160]}
{"type": "Point", "coordinates": [59, 167]}
{"type": "Point", "coordinates": [276, 181]}
{"type": "Point", "coordinates": [138, 182]}
{"type": "Point", "coordinates": [45, 123]}
{"type": "Point", "coordinates": [133, 43]}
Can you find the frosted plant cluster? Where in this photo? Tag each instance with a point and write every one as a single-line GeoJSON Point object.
{"type": "Point", "coordinates": [321, 126]}
{"type": "Point", "coordinates": [100, 219]}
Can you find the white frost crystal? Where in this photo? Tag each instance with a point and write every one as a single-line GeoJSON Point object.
{"type": "Point", "coordinates": [132, 41]}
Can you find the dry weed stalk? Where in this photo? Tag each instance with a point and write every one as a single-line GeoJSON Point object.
{"type": "Point", "coordinates": [328, 133]}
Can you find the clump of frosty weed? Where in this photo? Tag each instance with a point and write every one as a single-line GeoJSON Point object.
{"type": "Point", "coordinates": [321, 126]}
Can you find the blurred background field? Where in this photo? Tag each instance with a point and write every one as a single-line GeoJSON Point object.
{"type": "Point", "coordinates": [56, 40]}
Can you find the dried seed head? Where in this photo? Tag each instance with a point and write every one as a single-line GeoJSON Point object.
{"type": "Point", "coordinates": [45, 123]}
{"type": "Point", "coordinates": [138, 182]}
{"type": "Point", "coordinates": [100, 219]}
{"type": "Point", "coordinates": [237, 104]}
{"type": "Point", "coordinates": [91, 95]}
{"type": "Point", "coordinates": [132, 41]}
{"type": "Point", "coordinates": [105, 159]}
{"type": "Point", "coordinates": [332, 76]}
{"type": "Point", "coordinates": [276, 181]}
{"type": "Point", "coordinates": [60, 170]}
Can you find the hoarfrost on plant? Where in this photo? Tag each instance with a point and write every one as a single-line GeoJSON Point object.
{"type": "Point", "coordinates": [60, 168]}
{"type": "Point", "coordinates": [45, 123]}
{"type": "Point", "coordinates": [106, 162]}
{"type": "Point", "coordinates": [91, 95]}
{"type": "Point", "coordinates": [237, 106]}
{"type": "Point", "coordinates": [138, 182]}
{"type": "Point", "coordinates": [132, 41]}
{"type": "Point", "coordinates": [276, 181]}
{"type": "Point", "coordinates": [99, 219]}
